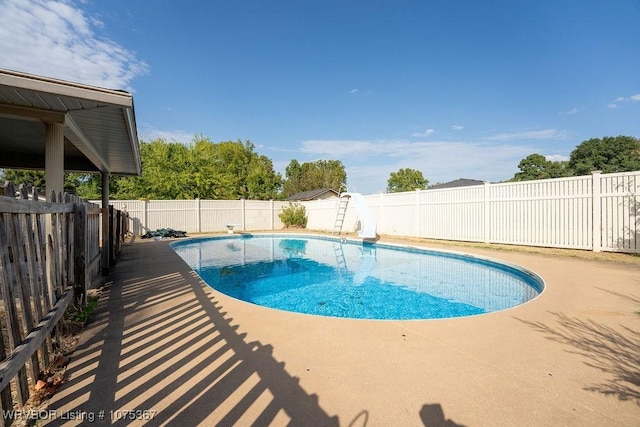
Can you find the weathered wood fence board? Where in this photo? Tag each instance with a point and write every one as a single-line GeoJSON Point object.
{"type": "Point", "coordinates": [14, 335]}
{"type": "Point", "coordinates": [50, 254]}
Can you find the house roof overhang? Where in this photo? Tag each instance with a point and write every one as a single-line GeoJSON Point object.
{"type": "Point", "coordinates": [311, 194]}
{"type": "Point", "coordinates": [99, 125]}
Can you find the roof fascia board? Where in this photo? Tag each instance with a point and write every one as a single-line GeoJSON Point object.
{"type": "Point", "coordinates": [63, 88]}
{"type": "Point", "coordinates": [31, 114]}
{"type": "Point", "coordinates": [133, 138]}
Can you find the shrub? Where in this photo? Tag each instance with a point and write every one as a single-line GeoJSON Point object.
{"type": "Point", "coordinates": [77, 317]}
{"type": "Point", "coordinates": [294, 215]}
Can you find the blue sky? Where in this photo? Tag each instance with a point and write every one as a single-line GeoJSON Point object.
{"type": "Point", "coordinates": [453, 88]}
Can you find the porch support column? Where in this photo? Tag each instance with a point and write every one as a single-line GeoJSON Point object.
{"type": "Point", "coordinates": [106, 249]}
{"type": "Point", "coordinates": [54, 159]}
{"type": "Point", "coordinates": [54, 181]}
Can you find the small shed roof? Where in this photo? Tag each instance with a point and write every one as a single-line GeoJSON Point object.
{"type": "Point", "coordinates": [99, 124]}
{"type": "Point", "coordinates": [312, 194]}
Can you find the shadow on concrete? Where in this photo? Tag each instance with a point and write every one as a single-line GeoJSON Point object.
{"type": "Point", "coordinates": [615, 352]}
{"type": "Point", "coordinates": [432, 415]}
{"type": "Point", "coordinates": [631, 298]}
{"type": "Point", "coordinates": [629, 208]}
{"type": "Point", "coordinates": [161, 343]}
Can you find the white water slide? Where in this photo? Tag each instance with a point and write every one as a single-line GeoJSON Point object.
{"type": "Point", "coordinates": [367, 220]}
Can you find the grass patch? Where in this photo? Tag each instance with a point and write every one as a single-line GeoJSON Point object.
{"type": "Point", "coordinates": [77, 317]}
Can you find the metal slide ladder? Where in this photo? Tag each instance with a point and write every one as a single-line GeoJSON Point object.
{"type": "Point", "coordinates": [343, 202]}
{"type": "Point", "coordinates": [341, 261]}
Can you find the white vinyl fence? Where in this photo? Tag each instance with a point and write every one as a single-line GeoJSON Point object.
{"type": "Point", "coordinates": [201, 216]}
{"type": "Point", "coordinates": [596, 212]}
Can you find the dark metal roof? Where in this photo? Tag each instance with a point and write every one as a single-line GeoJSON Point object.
{"type": "Point", "coordinates": [311, 194]}
{"type": "Point", "coordinates": [100, 132]}
{"type": "Point", "coordinates": [460, 182]}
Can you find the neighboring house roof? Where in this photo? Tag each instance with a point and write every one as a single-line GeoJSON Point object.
{"type": "Point", "coordinates": [460, 182]}
{"type": "Point", "coordinates": [99, 124]}
{"type": "Point", "coordinates": [321, 193]}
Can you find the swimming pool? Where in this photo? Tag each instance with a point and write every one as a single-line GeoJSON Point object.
{"type": "Point", "coordinates": [344, 278]}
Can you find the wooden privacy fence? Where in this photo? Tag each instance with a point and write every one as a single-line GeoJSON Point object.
{"type": "Point", "coordinates": [119, 229]}
{"type": "Point", "coordinates": [50, 253]}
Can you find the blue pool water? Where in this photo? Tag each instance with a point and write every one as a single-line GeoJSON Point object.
{"type": "Point", "coordinates": [329, 277]}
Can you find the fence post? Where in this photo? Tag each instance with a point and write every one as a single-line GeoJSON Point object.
{"type": "Point", "coordinates": [112, 237]}
{"type": "Point", "coordinates": [381, 213]}
{"type": "Point", "coordinates": [596, 211]}
{"type": "Point", "coordinates": [80, 254]}
{"type": "Point", "coordinates": [145, 216]}
{"type": "Point", "coordinates": [417, 213]}
{"type": "Point", "coordinates": [243, 209]}
{"type": "Point", "coordinates": [198, 205]}
{"type": "Point", "coordinates": [487, 213]}
{"type": "Point", "coordinates": [106, 225]}
{"type": "Point", "coordinates": [271, 216]}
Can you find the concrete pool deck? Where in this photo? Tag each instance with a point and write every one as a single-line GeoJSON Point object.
{"type": "Point", "coordinates": [168, 346]}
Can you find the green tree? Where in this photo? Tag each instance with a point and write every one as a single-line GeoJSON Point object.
{"type": "Point", "coordinates": [164, 176]}
{"type": "Point", "coordinates": [609, 154]}
{"type": "Point", "coordinates": [89, 186]}
{"type": "Point", "coordinates": [171, 170]}
{"type": "Point", "coordinates": [262, 182]}
{"type": "Point", "coordinates": [406, 180]}
{"type": "Point", "coordinates": [536, 166]}
{"type": "Point", "coordinates": [206, 170]}
{"type": "Point", "coordinates": [314, 175]}
{"type": "Point", "coordinates": [246, 174]}
{"type": "Point", "coordinates": [293, 179]}
{"type": "Point", "coordinates": [207, 178]}
{"type": "Point", "coordinates": [23, 176]}
{"type": "Point", "coordinates": [73, 182]}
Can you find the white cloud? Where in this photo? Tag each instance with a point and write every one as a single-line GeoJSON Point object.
{"type": "Point", "coordinates": [457, 127]}
{"type": "Point", "coordinates": [341, 148]}
{"type": "Point", "coordinates": [369, 163]}
{"type": "Point", "coordinates": [620, 99]}
{"type": "Point", "coordinates": [148, 134]}
{"type": "Point", "coordinates": [397, 148]}
{"type": "Point", "coordinates": [354, 91]}
{"type": "Point", "coordinates": [56, 39]}
{"type": "Point", "coordinates": [536, 134]}
{"type": "Point", "coordinates": [570, 112]}
{"type": "Point", "coordinates": [425, 134]}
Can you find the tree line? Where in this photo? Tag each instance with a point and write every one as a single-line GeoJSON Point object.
{"type": "Point", "coordinates": [228, 170]}
{"type": "Point", "coordinates": [609, 155]}
{"type": "Point", "coordinates": [232, 170]}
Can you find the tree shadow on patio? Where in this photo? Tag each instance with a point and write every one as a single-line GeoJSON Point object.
{"type": "Point", "coordinates": [164, 346]}
{"type": "Point", "coordinates": [615, 352]}
{"type": "Point", "coordinates": [432, 415]}
{"type": "Point", "coordinates": [628, 211]}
